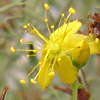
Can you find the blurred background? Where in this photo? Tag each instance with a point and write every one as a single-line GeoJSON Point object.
{"type": "Point", "coordinates": [13, 67]}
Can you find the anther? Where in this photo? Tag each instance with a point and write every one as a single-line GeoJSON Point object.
{"type": "Point", "coordinates": [46, 20]}
{"type": "Point", "coordinates": [27, 56]}
{"type": "Point", "coordinates": [23, 81]}
{"type": "Point", "coordinates": [21, 40]}
{"type": "Point", "coordinates": [35, 51]}
{"type": "Point", "coordinates": [97, 40]}
{"type": "Point", "coordinates": [72, 10]}
{"type": "Point", "coordinates": [62, 14]}
{"type": "Point", "coordinates": [28, 24]}
{"type": "Point", "coordinates": [13, 50]}
{"type": "Point", "coordinates": [25, 26]}
{"type": "Point", "coordinates": [46, 6]}
{"type": "Point", "coordinates": [52, 74]}
{"type": "Point", "coordinates": [52, 26]}
{"type": "Point", "coordinates": [32, 31]}
{"type": "Point", "coordinates": [33, 81]}
{"type": "Point", "coordinates": [40, 63]}
{"type": "Point", "coordinates": [59, 59]}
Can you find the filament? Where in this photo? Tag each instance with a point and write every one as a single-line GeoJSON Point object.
{"type": "Point", "coordinates": [32, 71]}
{"type": "Point", "coordinates": [33, 30]}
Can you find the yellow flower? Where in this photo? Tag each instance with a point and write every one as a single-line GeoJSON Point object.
{"type": "Point", "coordinates": [65, 51]}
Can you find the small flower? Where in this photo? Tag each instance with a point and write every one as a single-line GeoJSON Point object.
{"type": "Point", "coordinates": [65, 51]}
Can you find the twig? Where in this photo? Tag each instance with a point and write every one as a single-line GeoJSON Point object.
{"type": "Point", "coordinates": [2, 9]}
{"type": "Point", "coordinates": [84, 79]}
{"type": "Point", "coordinates": [3, 93]}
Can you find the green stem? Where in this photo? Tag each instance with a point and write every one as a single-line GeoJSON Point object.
{"type": "Point", "coordinates": [75, 87]}
{"type": "Point", "coordinates": [74, 91]}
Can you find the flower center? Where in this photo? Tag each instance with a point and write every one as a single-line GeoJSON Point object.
{"type": "Point", "coordinates": [55, 48]}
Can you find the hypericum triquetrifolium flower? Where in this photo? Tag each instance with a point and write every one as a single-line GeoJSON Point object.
{"type": "Point", "coordinates": [65, 51]}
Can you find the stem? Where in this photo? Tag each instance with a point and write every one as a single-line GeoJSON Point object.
{"type": "Point", "coordinates": [75, 87]}
{"type": "Point", "coordinates": [74, 91]}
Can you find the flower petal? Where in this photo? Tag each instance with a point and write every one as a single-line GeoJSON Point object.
{"type": "Point", "coordinates": [66, 29]}
{"type": "Point", "coordinates": [66, 70]}
{"type": "Point", "coordinates": [81, 53]}
{"type": "Point", "coordinates": [44, 78]}
{"type": "Point", "coordinates": [70, 41]}
{"type": "Point", "coordinates": [94, 47]}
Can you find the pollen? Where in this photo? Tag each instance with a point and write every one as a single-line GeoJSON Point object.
{"type": "Point", "coordinates": [97, 40]}
{"type": "Point", "coordinates": [52, 74]}
{"type": "Point", "coordinates": [13, 50]}
{"type": "Point", "coordinates": [46, 6]}
{"type": "Point", "coordinates": [23, 81]}
{"type": "Point", "coordinates": [72, 11]}
{"type": "Point", "coordinates": [33, 81]}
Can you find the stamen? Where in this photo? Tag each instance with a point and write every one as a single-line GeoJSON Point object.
{"type": "Point", "coordinates": [40, 63]}
{"type": "Point", "coordinates": [24, 50]}
{"type": "Point", "coordinates": [52, 74]}
{"type": "Point", "coordinates": [28, 24]}
{"type": "Point", "coordinates": [21, 40]}
{"type": "Point", "coordinates": [97, 40]}
{"type": "Point", "coordinates": [13, 50]}
{"type": "Point", "coordinates": [72, 10]}
{"type": "Point", "coordinates": [23, 81]}
{"type": "Point", "coordinates": [31, 71]}
{"type": "Point", "coordinates": [25, 26]}
{"type": "Point", "coordinates": [26, 42]}
{"type": "Point", "coordinates": [31, 55]}
{"type": "Point", "coordinates": [46, 6]}
{"type": "Point", "coordinates": [33, 30]}
{"type": "Point", "coordinates": [59, 33]}
{"type": "Point", "coordinates": [45, 58]}
{"type": "Point", "coordinates": [62, 14]}
{"type": "Point", "coordinates": [66, 20]}
{"type": "Point", "coordinates": [46, 21]}
{"type": "Point", "coordinates": [52, 27]}
{"type": "Point", "coordinates": [33, 81]}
